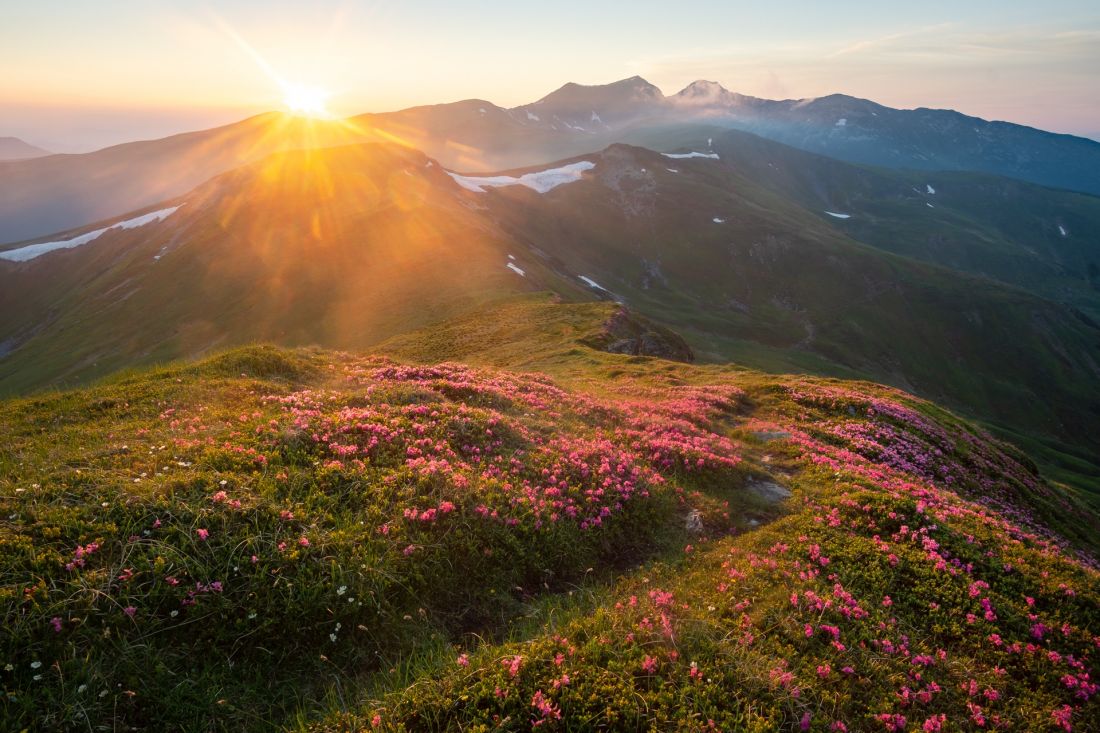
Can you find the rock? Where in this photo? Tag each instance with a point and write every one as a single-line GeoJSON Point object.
{"type": "Point", "coordinates": [768, 490]}
{"type": "Point", "coordinates": [628, 333]}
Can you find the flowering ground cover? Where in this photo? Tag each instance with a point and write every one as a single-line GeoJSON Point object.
{"type": "Point", "coordinates": [886, 600]}
{"type": "Point", "coordinates": [296, 539]}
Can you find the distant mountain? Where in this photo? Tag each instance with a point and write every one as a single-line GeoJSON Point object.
{"type": "Point", "coordinates": [59, 192]}
{"type": "Point", "coordinates": [1023, 234]}
{"type": "Point", "coordinates": [594, 108]}
{"type": "Point", "coordinates": [348, 246]}
{"type": "Point", "coordinates": [12, 148]}
{"type": "Point", "coordinates": [852, 129]}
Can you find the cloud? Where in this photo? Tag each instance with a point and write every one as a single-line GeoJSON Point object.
{"type": "Point", "coordinates": [886, 41]}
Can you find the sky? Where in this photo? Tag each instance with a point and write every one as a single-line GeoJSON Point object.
{"type": "Point", "coordinates": [76, 75]}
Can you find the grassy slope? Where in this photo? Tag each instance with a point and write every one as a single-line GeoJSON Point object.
{"type": "Point", "coordinates": [255, 447]}
{"type": "Point", "coordinates": [999, 228]}
{"type": "Point", "coordinates": [775, 287]}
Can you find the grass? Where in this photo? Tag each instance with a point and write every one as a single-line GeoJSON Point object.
{"type": "Point", "coordinates": [298, 539]}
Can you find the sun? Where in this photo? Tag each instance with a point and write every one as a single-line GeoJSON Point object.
{"type": "Point", "coordinates": [305, 100]}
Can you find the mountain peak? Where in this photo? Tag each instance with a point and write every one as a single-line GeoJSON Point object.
{"type": "Point", "coordinates": [705, 93]}
{"type": "Point", "coordinates": [12, 148]}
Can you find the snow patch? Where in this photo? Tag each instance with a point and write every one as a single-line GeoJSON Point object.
{"type": "Point", "coordinates": [842, 122]}
{"type": "Point", "coordinates": [512, 266]}
{"type": "Point", "coordinates": [592, 283]}
{"type": "Point", "coordinates": [679, 156]}
{"type": "Point", "coordinates": [531, 116]}
{"type": "Point", "coordinates": [36, 250]}
{"type": "Point", "coordinates": [482, 110]}
{"type": "Point", "coordinates": [839, 216]}
{"type": "Point", "coordinates": [716, 220]}
{"type": "Point", "coordinates": [672, 170]}
{"type": "Point", "coordinates": [930, 206]}
{"type": "Point", "coordinates": [542, 181]}
{"type": "Point", "coordinates": [929, 188]}
{"type": "Point", "coordinates": [1062, 230]}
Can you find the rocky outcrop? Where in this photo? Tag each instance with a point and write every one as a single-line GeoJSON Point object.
{"type": "Point", "coordinates": [628, 333]}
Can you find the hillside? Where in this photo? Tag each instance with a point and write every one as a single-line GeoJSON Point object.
{"type": "Point", "coordinates": [346, 247]}
{"type": "Point", "coordinates": [12, 148]}
{"type": "Point", "coordinates": [751, 277]}
{"type": "Point", "coordinates": [1039, 239]}
{"type": "Point", "coordinates": [655, 545]}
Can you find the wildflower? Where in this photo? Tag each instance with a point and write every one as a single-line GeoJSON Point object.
{"type": "Point", "coordinates": [463, 660]}
{"type": "Point", "coordinates": [1063, 717]}
{"type": "Point", "coordinates": [512, 665]}
{"type": "Point", "coordinates": [935, 723]}
{"type": "Point", "coordinates": [202, 533]}
{"type": "Point", "coordinates": [56, 623]}
{"type": "Point", "coordinates": [130, 611]}
{"type": "Point", "coordinates": [649, 665]}
{"type": "Point", "coordinates": [303, 541]}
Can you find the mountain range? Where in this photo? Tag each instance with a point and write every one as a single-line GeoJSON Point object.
{"type": "Point", "coordinates": [12, 148]}
{"type": "Point", "coordinates": [755, 252]}
{"type": "Point", "coordinates": [63, 191]}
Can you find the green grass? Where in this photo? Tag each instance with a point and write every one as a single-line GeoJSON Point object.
{"type": "Point", "coordinates": [337, 620]}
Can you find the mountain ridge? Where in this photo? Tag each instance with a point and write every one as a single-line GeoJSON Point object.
{"type": "Point", "coordinates": [60, 192]}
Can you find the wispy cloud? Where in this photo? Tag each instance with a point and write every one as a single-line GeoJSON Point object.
{"type": "Point", "coordinates": [887, 40]}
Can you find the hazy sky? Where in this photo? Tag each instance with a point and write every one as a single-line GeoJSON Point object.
{"type": "Point", "coordinates": [76, 74]}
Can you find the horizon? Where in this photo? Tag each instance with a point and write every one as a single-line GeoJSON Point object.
{"type": "Point", "coordinates": [208, 68]}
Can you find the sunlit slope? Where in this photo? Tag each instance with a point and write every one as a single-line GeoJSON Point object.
{"type": "Point", "coordinates": [348, 246]}
{"type": "Point", "coordinates": [300, 534]}
{"type": "Point", "coordinates": [343, 247]}
{"type": "Point", "coordinates": [748, 275]}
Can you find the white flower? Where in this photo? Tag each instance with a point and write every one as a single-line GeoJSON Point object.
{"type": "Point", "coordinates": [36, 665]}
{"type": "Point", "coordinates": [8, 667]}
{"type": "Point", "coordinates": [174, 614]}
{"type": "Point", "coordinates": [82, 688]}
{"type": "Point", "coordinates": [341, 590]}
{"type": "Point", "coordinates": [332, 637]}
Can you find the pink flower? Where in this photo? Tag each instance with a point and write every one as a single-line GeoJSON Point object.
{"type": "Point", "coordinates": [202, 533]}
{"type": "Point", "coordinates": [649, 665]}
{"type": "Point", "coordinates": [303, 541]}
{"type": "Point", "coordinates": [934, 723]}
{"type": "Point", "coordinates": [376, 721]}
{"type": "Point", "coordinates": [463, 660]}
{"type": "Point", "coordinates": [129, 611]}
{"type": "Point", "coordinates": [512, 665]}
{"type": "Point", "coordinates": [56, 623]}
{"type": "Point", "coordinates": [1063, 717]}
